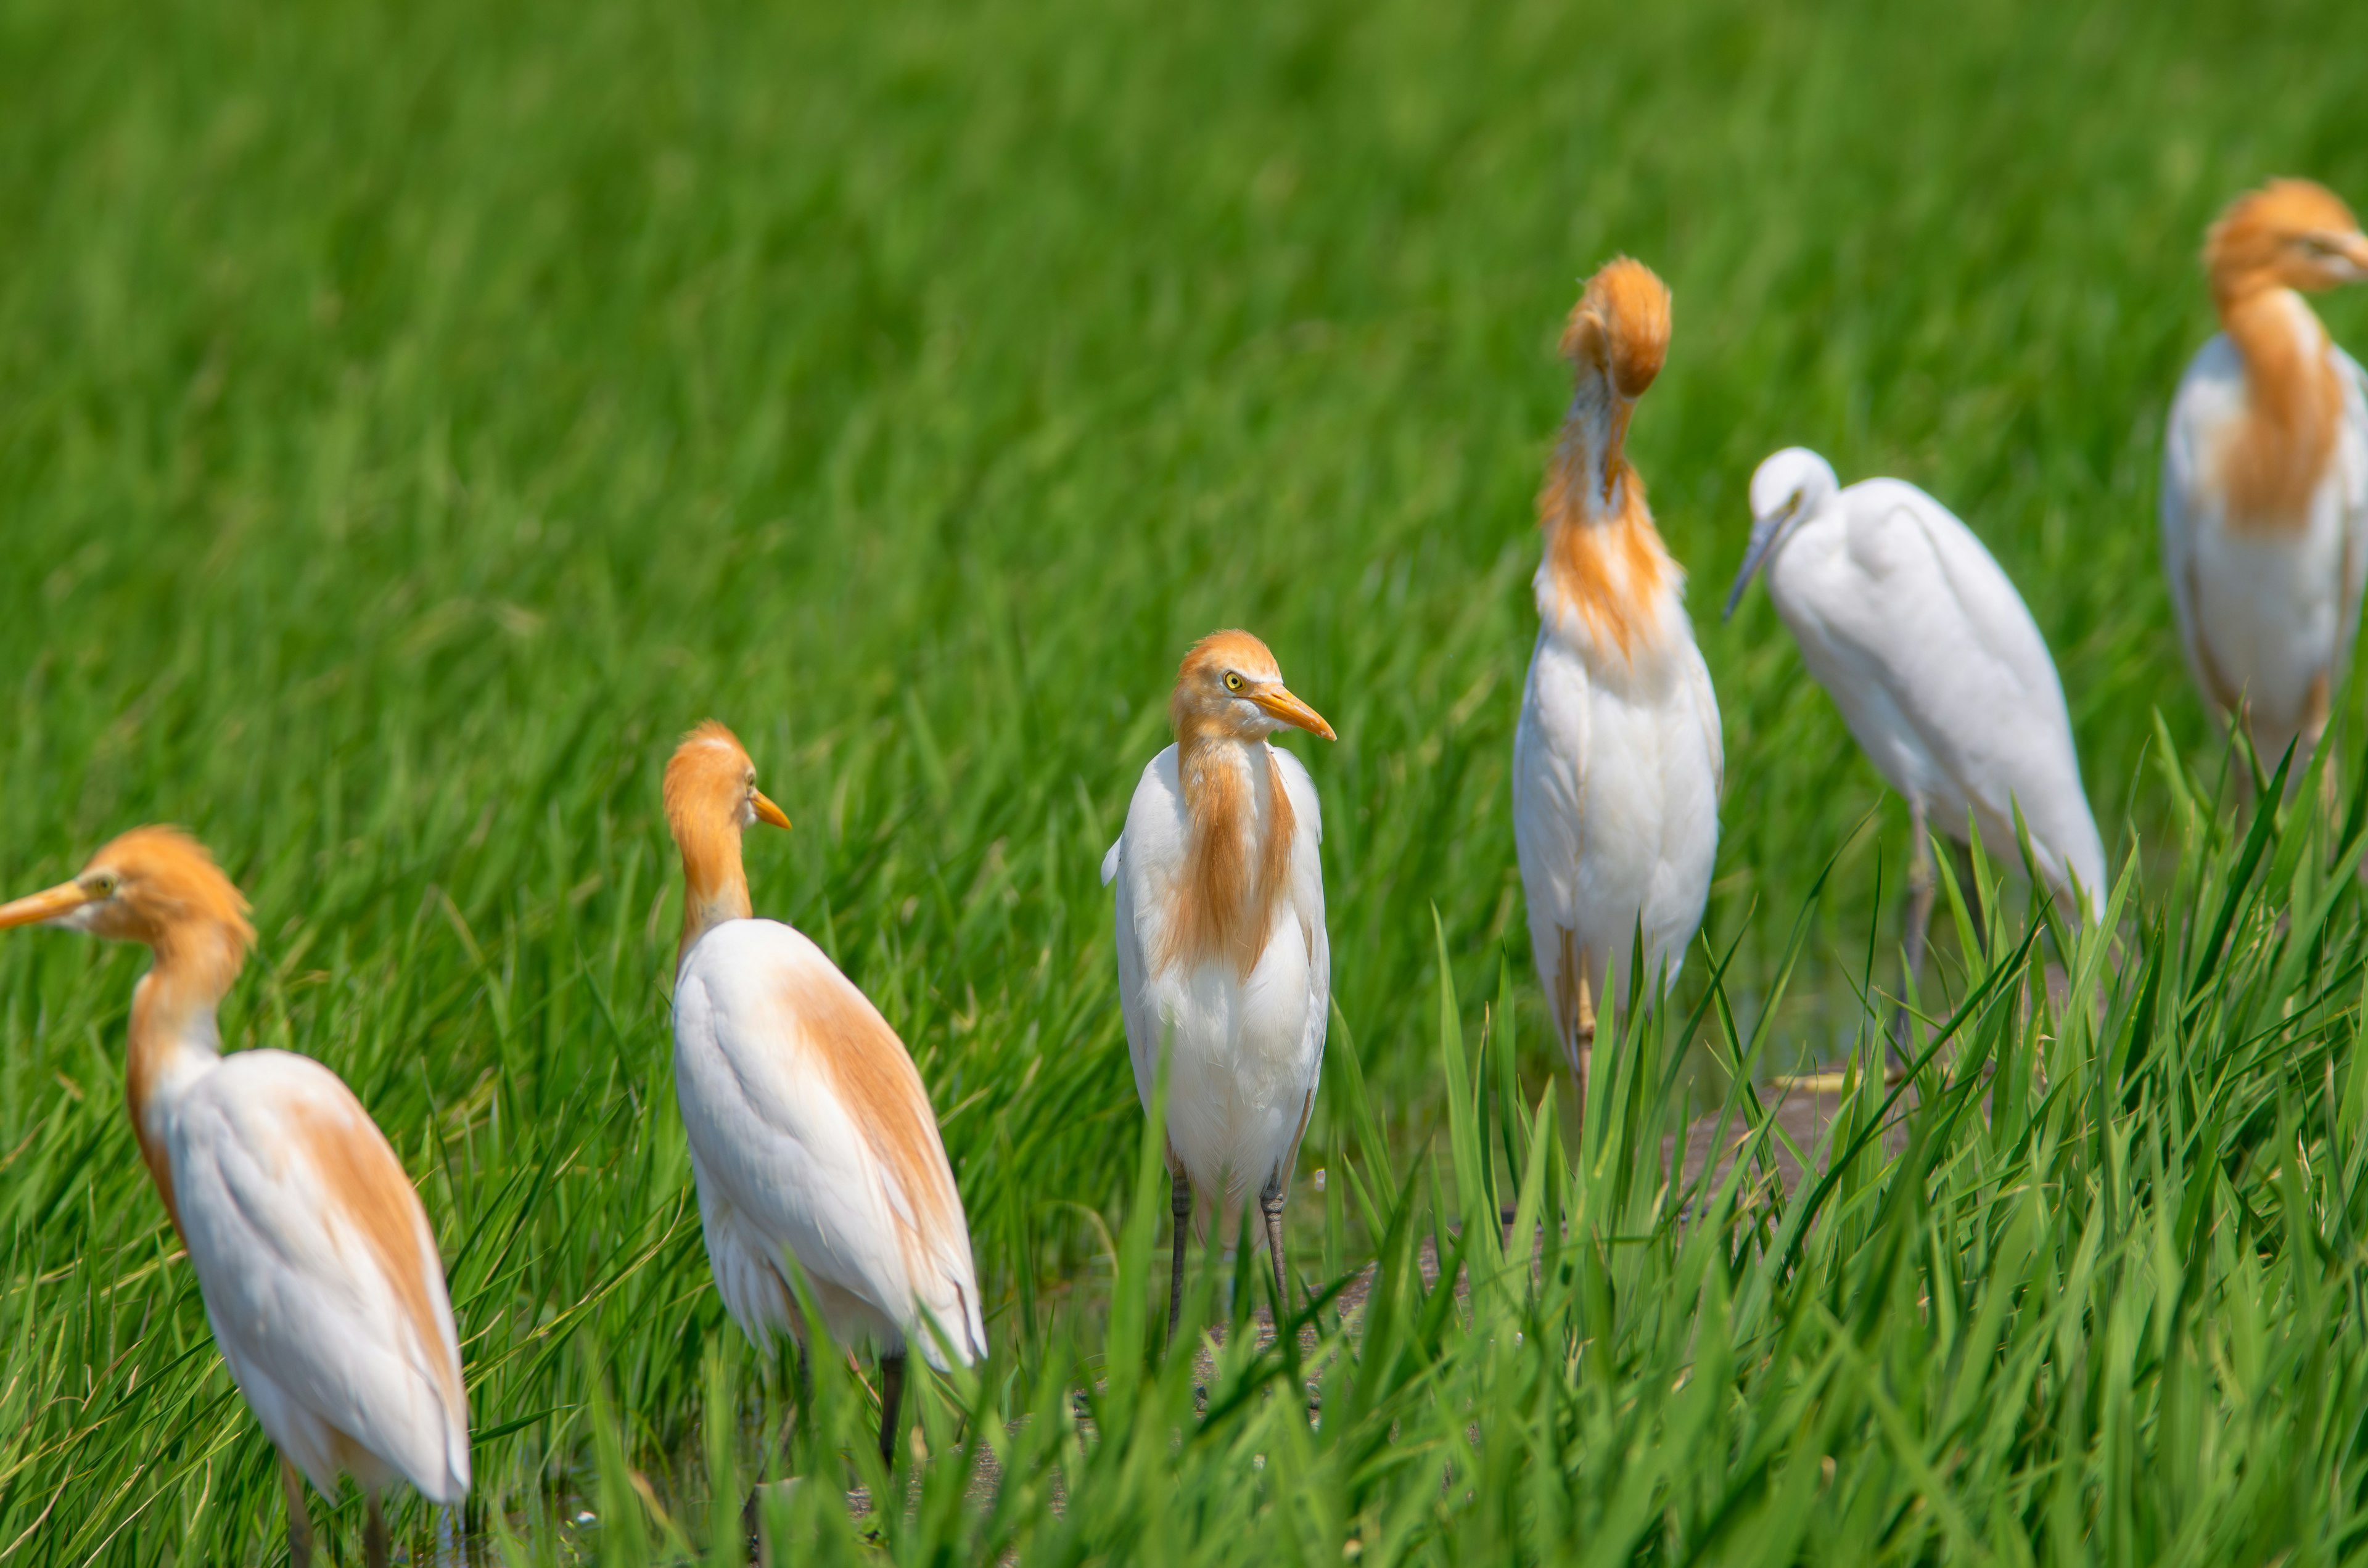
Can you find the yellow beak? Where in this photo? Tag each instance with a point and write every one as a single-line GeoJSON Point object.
{"type": "Point", "coordinates": [1278, 703]}
{"type": "Point", "coordinates": [768, 813]}
{"type": "Point", "coordinates": [31, 910]}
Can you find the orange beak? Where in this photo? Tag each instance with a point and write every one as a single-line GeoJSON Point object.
{"type": "Point", "coordinates": [1278, 703]}
{"type": "Point", "coordinates": [62, 899]}
{"type": "Point", "coordinates": [768, 813]}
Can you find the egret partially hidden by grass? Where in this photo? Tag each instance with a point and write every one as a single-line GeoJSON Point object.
{"type": "Point", "coordinates": [1223, 961]}
{"type": "Point", "coordinates": [319, 1269]}
{"type": "Point", "coordinates": [811, 1137]}
{"type": "Point", "coordinates": [1937, 666]}
{"type": "Point", "coordinates": [1618, 761]}
{"type": "Point", "coordinates": [2265, 471]}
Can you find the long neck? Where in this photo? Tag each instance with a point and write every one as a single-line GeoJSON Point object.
{"type": "Point", "coordinates": [2277, 452]}
{"type": "Point", "coordinates": [1605, 573]}
{"type": "Point", "coordinates": [1237, 855]}
{"type": "Point", "coordinates": [714, 885]}
{"type": "Point", "coordinates": [174, 1036]}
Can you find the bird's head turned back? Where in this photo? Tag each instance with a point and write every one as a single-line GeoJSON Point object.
{"type": "Point", "coordinates": [157, 886]}
{"type": "Point", "coordinates": [711, 789]}
{"type": "Point", "coordinates": [1619, 330]}
{"type": "Point", "coordinates": [1229, 685]}
{"type": "Point", "coordinates": [2291, 234]}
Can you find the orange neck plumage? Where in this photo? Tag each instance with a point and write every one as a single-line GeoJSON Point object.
{"type": "Point", "coordinates": [1234, 873]}
{"type": "Point", "coordinates": [714, 881]}
{"type": "Point", "coordinates": [2274, 456]}
{"type": "Point", "coordinates": [1604, 557]}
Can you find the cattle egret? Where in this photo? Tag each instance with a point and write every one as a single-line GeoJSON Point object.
{"type": "Point", "coordinates": [1222, 959]}
{"type": "Point", "coordinates": [1617, 761]}
{"type": "Point", "coordinates": [2265, 471]}
{"type": "Point", "coordinates": [318, 1269]}
{"type": "Point", "coordinates": [811, 1135]}
{"type": "Point", "coordinates": [1938, 668]}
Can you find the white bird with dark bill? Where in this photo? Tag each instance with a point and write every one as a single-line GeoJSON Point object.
{"type": "Point", "coordinates": [1617, 763]}
{"type": "Point", "coordinates": [2265, 472]}
{"type": "Point", "coordinates": [811, 1138]}
{"type": "Point", "coordinates": [1222, 959]}
{"type": "Point", "coordinates": [317, 1265]}
{"type": "Point", "coordinates": [1938, 670]}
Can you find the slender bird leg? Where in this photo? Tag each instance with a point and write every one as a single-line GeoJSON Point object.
{"type": "Point", "coordinates": [892, 1405]}
{"type": "Point", "coordinates": [1582, 1042]}
{"type": "Point", "coordinates": [300, 1521]}
{"type": "Point", "coordinates": [1179, 1205]}
{"type": "Point", "coordinates": [1922, 884]}
{"type": "Point", "coordinates": [374, 1541]}
{"type": "Point", "coordinates": [1270, 1205]}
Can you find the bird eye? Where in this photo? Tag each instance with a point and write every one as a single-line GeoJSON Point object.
{"type": "Point", "coordinates": [102, 885]}
{"type": "Point", "coordinates": [1233, 681]}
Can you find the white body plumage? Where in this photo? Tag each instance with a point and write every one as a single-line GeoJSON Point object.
{"type": "Point", "coordinates": [1938, 670]}
{"type": "Point", "coordinates": [327, 1299]}
{"type": "Point", "coordinates": [1247, 1052]}
{"type": "Point", "coordinates": [811, 1138]}
{"type": "Point", "coordinates": [1617, 765]}
{"type": "Point", "coordinates": [2267, 616]}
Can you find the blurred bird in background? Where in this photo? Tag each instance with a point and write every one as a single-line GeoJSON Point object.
{"type": "Point", "coordinates": [1222, 959]}
{"type": "Point", "coordinates": [1617, 762]}
{"type": "Point", "coordinates": [1938, 670]}
{"type": "Point", "coordinates": [811, 1137]}
{"type": "Point", "coordinates": [318, 1268]}
{"type": "Point", "coordinates": [2265, 472]}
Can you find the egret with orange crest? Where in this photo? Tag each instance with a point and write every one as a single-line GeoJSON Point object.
{"type": "Point", "coordinates": [811, 1137]}
{"type": "Point", "coordinates": [318, 1268]}
{"type": "Point", "coordinates": [1222, 959]}
{"type": "Point", "coordinates": [2265, 472]}
{"type": "Point", "coordinates": [1617, 762]}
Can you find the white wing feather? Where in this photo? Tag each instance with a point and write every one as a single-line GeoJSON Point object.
{"type": "Point", "coordinates": [315, 1333]}
{"type": "Point", "coordinates": [784, 1166]}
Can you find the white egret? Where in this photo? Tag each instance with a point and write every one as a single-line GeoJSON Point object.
{"type": "Point", "coordinates": [1617, 763]}
{"type": "Point", "coordinates": [2265, 471]}
{"type": "Point", "coordinates": [811, 1135]}
{"type": "Point", "coordinates": [1938, 668]}
{"type": "Point", "coordinates": [1223, 958]}
{"type": "Point", "coordinates": [318, 1268]}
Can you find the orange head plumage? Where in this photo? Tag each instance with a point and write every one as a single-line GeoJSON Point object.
{"type": "Point", "coordinates": [2291, 234]}
{"type": "Point", "coordinates": [1620, 328]}
{"type": "Point", "coordinates": [711, 798]}
{"type": "Point", "coordinates": [1604, 559]}
{"type": "Point", "coordinates": [1229, 685]}
{"type": "Point", "coordinates": [157, 886]}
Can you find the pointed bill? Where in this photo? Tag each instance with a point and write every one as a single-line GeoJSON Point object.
{"type": "Point", "coordinates": [51, 905]}
{"type": "Point", "coordinates": [768, 813]}
{"type": "Point", "coordinates": [1279, 704]}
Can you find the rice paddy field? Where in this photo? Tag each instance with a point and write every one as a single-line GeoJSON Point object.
{"type": "Point", "coordinates": [413, 418]}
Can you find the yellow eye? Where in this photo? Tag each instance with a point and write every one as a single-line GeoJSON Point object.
{"type": "Point", "coordinates": [103, 884]}
{"type": "Point", "coordinates": [1233, 681]}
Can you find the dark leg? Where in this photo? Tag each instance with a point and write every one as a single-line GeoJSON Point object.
{"type": "Point", "coordinates": [300, 1522]}
{"type": "Point", "coordinates": [1180, 1204]}
{"type": "Point", "coordinates": [892, 1405]}
{"type": "Point", "coordinates": [374, 1542]}
{"type": "Point", "coordinates": [1270, 1205]}
{"type": "Point", "coordinates": [1921, 883]}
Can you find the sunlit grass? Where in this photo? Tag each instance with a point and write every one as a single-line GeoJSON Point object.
{"type": "Point", "coordinates": [411, 419]}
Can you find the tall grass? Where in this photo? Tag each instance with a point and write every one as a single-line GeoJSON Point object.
{"type": "Point", "coordinates": [411, 419]}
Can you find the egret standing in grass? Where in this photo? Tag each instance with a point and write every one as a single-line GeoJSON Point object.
{"type": "Point", "coordinates": [2265, 471]}
{"type": "Point", "coordinates": [1617, 761]}
{"type": "Point", "coordinates": [1938, 668]}
{"type": "Point", "coordinates": [314, 1258]}
{"type": "Point", "coordinates": [1222, 959]}
{"type": "Point", "coordinates": [811, 1135]}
